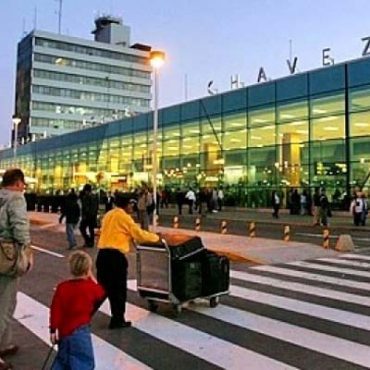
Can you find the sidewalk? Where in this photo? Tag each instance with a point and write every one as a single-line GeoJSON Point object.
{"type": "Point", "coordinates": [237, 248]}
{"type": "Point", "coordinates": [340, 219]}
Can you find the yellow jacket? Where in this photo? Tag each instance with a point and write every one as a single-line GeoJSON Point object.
{"type": "Point", "coordinates": [119, 230]}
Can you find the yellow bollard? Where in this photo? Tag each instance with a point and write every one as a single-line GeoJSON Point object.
{"type": "Point", "coordinates": [223, 227]}
{"type": "Point", "coordinates": [175, 223]}
{"type": "Point", "coordinates": [326, 238]}
{"type": "Point", "coordinates": [197, 224]}
{"type": "Point", "coordinates": [252, 229]}
{"type": "Point", "coordinates": [286, 236]}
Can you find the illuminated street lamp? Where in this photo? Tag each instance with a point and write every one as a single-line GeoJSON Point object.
{"type": "Point", "coordinates": [16, 122]}
{"type": "Point", "coordinates": [156, 61]}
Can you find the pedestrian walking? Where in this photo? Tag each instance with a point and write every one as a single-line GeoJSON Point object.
{"type": "Point", "coordinates": [275, 200]}
{"type": "Point", "coordinates": [365, 209]}
{"type": "Point", "coordinates": [303, 203]}
{"type": "Point", "coordinates": [180, 199]}
{"type": "Point", "coordinates": [316, 207]}
{"type": "Point", "coordinates": [74, 302]}
{"type": "Point", "coordinates": [89, 214]}
{"type": "Point", "coordinates": [145, 206]}
{"type": "Point", "coordinates": [108, 202]}
{"type": "Point", "coordinates": [358, 209]}
{"type": "Point", "coordinates": [191, 199]}
{"type": "Point", "coordinates": [220, 199]}
{"type": "Point", "coordinates": [324, 209]}
{"type": "Point", "coordinates": [71, 212]}
{"type": "Point", "coordinates": [118, 233]}
{"type": "Point", "coordinates": [14, 230]}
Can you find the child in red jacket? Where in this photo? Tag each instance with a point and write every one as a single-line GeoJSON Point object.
{"type": "Point", "coordinates": [73, 305]}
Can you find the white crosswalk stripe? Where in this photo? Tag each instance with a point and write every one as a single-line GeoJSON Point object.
{"type": "Point", "coordinates": [347, 262]}
{"type": "Point", "coordinates": [266, 309]}
{"type": "Point", "coordinates": [339, 269]}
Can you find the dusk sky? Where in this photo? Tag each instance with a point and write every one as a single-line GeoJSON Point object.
{"type": "Point", "coordinates": [205, 39]}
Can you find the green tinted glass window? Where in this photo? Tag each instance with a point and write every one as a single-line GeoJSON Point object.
{"type": "Point", "coordinates": [327, 105]}
{"type": "Point", "coordinates": [331, 127]}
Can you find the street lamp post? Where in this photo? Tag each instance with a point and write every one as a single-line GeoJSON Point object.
{"type": "Point", "coordinates": [156, 61]}
{"type": "Point", "coordinates": [16, 122]}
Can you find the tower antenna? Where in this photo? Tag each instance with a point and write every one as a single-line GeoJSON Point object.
{"type": "Point", "coordinates": [60, 16]}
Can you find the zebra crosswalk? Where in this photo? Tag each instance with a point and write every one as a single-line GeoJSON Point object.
{"type": "Point", "coordinates": [301, 315]}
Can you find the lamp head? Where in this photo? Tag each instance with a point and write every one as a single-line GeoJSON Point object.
{"type": "Point", "coordinates": [157, 59]}
{"type": "Point", "coordinates": [16, 120]}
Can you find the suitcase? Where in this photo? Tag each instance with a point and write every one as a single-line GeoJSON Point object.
{"type": "Point", "coordinates": [215, 274]}
{"type": "Point", "coordinates": [187, 279]}
{"type": "Point", "coordinates": [183, 246]}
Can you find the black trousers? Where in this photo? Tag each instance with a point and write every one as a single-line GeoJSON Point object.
{"type": "Point", "coordinates": [88, 224]}
{"type": "Point", "coordinates": [111, 266]}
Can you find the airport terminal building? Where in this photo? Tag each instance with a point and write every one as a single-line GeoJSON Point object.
{"type": "Point", "coordinates": [305, 130]}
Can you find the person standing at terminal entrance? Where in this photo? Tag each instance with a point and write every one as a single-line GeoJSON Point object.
{"type": "Point", "coordinates": [316, 207]}
{"type": "Point", "coordinates": [324, 209]}
{"type": "Point", "coordinates": [117, 235]}
{"type": "Point", "coordinates": [71, 211]}
{"type": "Point", "coordinates": [275, 200]}
{"type": "Point", "coordinates": [14, 229]}
{"type": "Point", "coordinates": [89, 214]}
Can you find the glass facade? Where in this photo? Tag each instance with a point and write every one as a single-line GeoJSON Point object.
{"type": "Point", "coordinates": [302, 131]}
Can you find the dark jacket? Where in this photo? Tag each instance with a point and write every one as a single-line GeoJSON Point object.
{"type": "Point", "coordinates": [89, 206]}
{"type": "Point", "coordinates": [71, 210]}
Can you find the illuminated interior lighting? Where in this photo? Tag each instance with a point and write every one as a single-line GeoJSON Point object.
{"type": "Point", "coordinates": [298, 123]}
{"type": "Point", "coordinates": [361, 124]}
{"type": "Point", "coordinates": [259, 120]}
{"type": "Point", "coordinates": [237, 124]}
{"type": "Point", "coordinates": [301, 131]}
{"type": "Point", "coordinates": [330, 128]}
{"type": "Point", "coordinates": [256, 137]}
{"type": "Point", "coordinates": [235, 140]}
{"type": "Point", "coordinates": [194, 131]}
{"type": "Point", "coordinates": [286, 115]}
{"type": "Point", "coordinates": [319, 111]}
{"type": "Point", "coordinates": [326, 119]}
{"type": "Point", "coordinates": [268, 127]}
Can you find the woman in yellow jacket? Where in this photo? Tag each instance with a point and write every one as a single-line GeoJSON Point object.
{"type": "Point", "coordinates": [118, 232]}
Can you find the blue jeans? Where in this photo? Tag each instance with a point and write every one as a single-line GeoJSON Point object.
{"type": "Point", "coordinates": [71, 235]}
{"type": "Point", "coordinates": [75, 352]}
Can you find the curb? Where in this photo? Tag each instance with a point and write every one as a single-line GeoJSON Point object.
{"type": "Point", "coordinates": [234, 257]}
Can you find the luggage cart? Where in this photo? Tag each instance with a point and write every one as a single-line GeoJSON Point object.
{"type": "Point", "coordinates": [155, 278]}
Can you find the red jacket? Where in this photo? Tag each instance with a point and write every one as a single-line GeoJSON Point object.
{"type": "Point", "coordinates": [73, 305]}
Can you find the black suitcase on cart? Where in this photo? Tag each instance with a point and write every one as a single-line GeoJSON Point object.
{"type": "Point", "coordinates": [215, 274]}
{"type": "Point", "coordinates": [186, 260]}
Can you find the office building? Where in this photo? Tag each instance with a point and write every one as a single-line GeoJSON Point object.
{"type": "Point", "coordinates": [66, 83]}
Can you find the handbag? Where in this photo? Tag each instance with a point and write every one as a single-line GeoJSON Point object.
{"type": "Point", "coordinates": [15, 260]}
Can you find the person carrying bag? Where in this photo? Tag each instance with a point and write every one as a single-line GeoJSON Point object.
{"type": "Point", "coordinates": [16, 256]}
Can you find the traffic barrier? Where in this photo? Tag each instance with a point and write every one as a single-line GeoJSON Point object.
{"type": "Point", "coordinates": [50, 209]}
{"type": "Point", "coordinates": [223, 227]}
{"type": "Point", "coordinates": [175, 223]}
{"type": "Point", "coordinates": [326, 238]}
{"type": "Point", "coordinates": [59, 210]}
{"type": "Point", "coordinates": [286, 236]}
{"type": "Point", "coordinates": [252, 229]}
{"type": "Point", "coordinates": [197, 224]}
{"type": "Point", "coordinates": [42, 208]}
{"type": "Point", "coordinates": [36, 207]}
